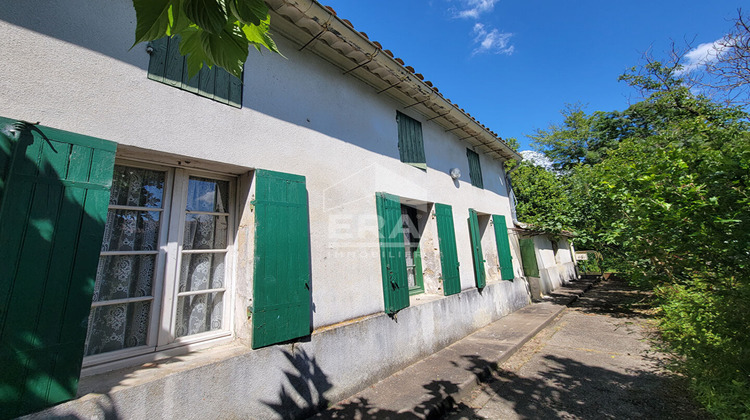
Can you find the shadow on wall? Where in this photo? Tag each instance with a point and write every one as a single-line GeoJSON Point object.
{"type": "Point", "coordinates": [310, 384]}
{"type": "Point", "coordinates": [109, 29]}
{"type": "Point", "coordinates": [314, 95]}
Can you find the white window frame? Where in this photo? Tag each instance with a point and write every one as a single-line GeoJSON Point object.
{"type": "Point", "coordinates": [161, 331]}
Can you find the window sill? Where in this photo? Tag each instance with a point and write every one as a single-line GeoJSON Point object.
{"type": "Point", "coordinates": [424, 298]}
{"type": "Point", "coordinates": [169, 362]}
{"type": "Point", "coordinates": [141, 357]}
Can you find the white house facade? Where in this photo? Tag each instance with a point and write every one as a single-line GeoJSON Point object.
{"type": "Point", "coordinates": [214, 247]}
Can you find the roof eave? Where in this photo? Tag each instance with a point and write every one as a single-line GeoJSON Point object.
{"type": "Point", "coordinates": [317, 28]}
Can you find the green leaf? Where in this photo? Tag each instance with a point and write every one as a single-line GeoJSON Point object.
{"type": "Point", "coordinates": [153, 19]}
{"type": "Point", "coordinates": [258, 35]}
{"type": "Point", "coordinates": [249, 12]}
{"type": "Point", "coordinates": [209, 15]}
{"type": "Point", "coordinates": [178, 22]}
{"type": "Point", "coordinates": [227, 50]}
{"type": "Point", "coordinates": [191, 46]}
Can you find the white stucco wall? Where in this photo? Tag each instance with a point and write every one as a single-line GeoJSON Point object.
{"type": "Point", "coordinates": [299, 115]}
{"type": "Point", "coordinates": [554, 270]}
{"type": "Point", "coordinates": [68, 65]}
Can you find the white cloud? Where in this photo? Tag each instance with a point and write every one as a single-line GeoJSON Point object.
{"type": "Point", "coordinates": [702, 55]}
{"type": "Point", "coordinates": [473, 8]}
{"type": "Point", "coordinates": [491, 41]}
{"type": "Point", "coordinates": [537, 159]}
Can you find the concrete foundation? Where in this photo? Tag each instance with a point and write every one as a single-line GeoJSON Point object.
{"type": "Point", "coordinates": [289, 380]}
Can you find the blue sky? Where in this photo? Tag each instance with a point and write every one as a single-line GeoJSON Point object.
{"type": "Point", "coordinates": [515, 64]}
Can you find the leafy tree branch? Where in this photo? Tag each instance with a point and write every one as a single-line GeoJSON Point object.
{"type": "Point", "coordinates": [211, 32]}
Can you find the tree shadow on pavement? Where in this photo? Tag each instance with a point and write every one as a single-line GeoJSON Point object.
{"type": "Point", "coordinates": [438, 401]}
{"type": "Point", "coordinates": [304, 395]}
{"type": "Point", "coordinates": [567, 388]}
{"type": "Point", "coordinates": [616, 298]}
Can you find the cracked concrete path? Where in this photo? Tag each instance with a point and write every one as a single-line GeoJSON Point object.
{"type": "Point", "coordinates": [595, 361]}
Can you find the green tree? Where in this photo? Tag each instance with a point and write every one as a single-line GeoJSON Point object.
{"type": "Point", "coordinates": [512, 142]}
{"type": "Point", "coordinates": [542, 197]}
{"type": "Point", "coordinates": [581, 138]}
{"type": "Point", "coordinates": [211, 32]}
{"type": "Point", "coordinates": [669, 201]}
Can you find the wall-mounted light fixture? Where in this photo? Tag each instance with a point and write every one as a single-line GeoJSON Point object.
{"type": "Point", "coordinates": [455, 173]}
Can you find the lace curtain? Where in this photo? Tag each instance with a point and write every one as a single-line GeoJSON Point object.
{"type": "Point", "coordinates": [198, 313]}
{"type": "Point", "coordinates": [117, 326]}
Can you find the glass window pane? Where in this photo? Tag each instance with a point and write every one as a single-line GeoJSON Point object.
{"type": "Point", "coordinates": [204, 231]}
{"type": "Point", "coordinates": [115, 327]}
{"type": "Point", "coordinates": [136, 187]}
{"type": "Point", "coordinates": [207, 195]}
{"type": "Point", "coordinates": [201, 272]}
{"type": "Point", "coordinates": [124, 276]}
{"type": "Point", "coordinates": [411, 278]}
{"type": "Point", "coordinates": [199, 313]}
{"type": "Point", "coordinates": [130, 230]}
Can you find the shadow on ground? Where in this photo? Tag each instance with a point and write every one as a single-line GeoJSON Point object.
{"type": "Point", "coordinates": [571, 389]}
{"type": "Point", "coordinates": [582, 387]}
{"type": "Point", "coordinates": [439, 402]}
{"type": "Point", "coordinates": [587, 386]}
{"type": "Point", "coordinates": [616, 298]}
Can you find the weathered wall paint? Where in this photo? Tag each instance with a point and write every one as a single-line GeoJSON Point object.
{"type": "Point", "coordinates": [234, 382]}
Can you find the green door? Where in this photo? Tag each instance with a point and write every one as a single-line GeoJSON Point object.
{"type": "Point", "coordinates": [281, 279]}
{"type": "Point", "coordinates": [53, 206]}
{"type": "Point", "coordinates": [528, 257]}
{"type": "Point", "coordinates": [448, 255]}
{"type": "Point", "coordinates": [476, 248]}
{"type": "Point", "coordinates": [392, 253]}
{"type": "Point", "coordinates": [503, 247]}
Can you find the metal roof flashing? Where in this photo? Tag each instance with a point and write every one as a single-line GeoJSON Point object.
{"type": "Point", "coordinates": [316, 28]}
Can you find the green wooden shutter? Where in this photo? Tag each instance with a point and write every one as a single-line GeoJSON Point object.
{"type": "Point", "coordinates": [392, 253]}
{"type": "Point", "coordinates": [475, 170]}
{"type": "Point", "coordinates": [51, 226]}
{"type": "Point", "coordinates": [448, 255]}
{"type": "Point", "coordinates": [281, 279]}
{"type": "Point", "coordinates": [168, 66]}
{"type": "Point", "coordinates": [410, 142]}
{"type": "Point", "coordinates": [528, 258]}
{"type": "Point", "coordinates": [476, 249]}
{"type": "Point", "coordinates": [503, 247]}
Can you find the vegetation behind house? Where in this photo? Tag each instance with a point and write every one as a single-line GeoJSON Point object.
{"type": "Point", "coordinates": [661, 189]}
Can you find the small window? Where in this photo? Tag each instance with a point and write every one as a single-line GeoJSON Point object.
{"type": "Point", "coordinates": [410, 143]}
{"type": "Point", "coordinates": [169, 67]}
{"type": "Point", "coordinates": [410, 219]}
{"type": "Point", "coordinates": [475, 170]}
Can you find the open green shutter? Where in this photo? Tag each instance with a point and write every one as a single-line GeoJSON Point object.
{"type": "Point", "coordinates": [448, 255]}
{"type": "Point", "coordinates": [476, 248]}
{"type": "Point", "coordinates": [281, 279]}
{"type": "Point", "coordinates": [410, 141]}
{"type": "Point", "coordinates": [503, 247]}
{"type": "Point", "coordinates": [392, 253]}
{"type": "Point", "coordinates": [475, 170]}
{"type": "Point", "coordinates": [56, 189]}
{"type": "Point", "coordinates": [528, 258]}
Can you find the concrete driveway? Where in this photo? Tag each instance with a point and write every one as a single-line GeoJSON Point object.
{"type": "Point", "coordinates": [596, 361]}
